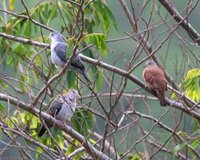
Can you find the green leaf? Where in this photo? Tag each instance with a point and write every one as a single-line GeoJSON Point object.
{"type": "Point", "coordinates": [184, 135]}
{"type": "Point", "coordinates": [23, 29]}
{"type": "Point", "coordinates": [52, 15]}
{"type": "Point", "coordinates": [178, 148]}
{"type": "Point", "coordinates": [83, 121]}
{"type": "Point", "coordinates": [71, 79]}
{"type": "Point", "coordinates": [22, 82]}
{"type": "Point", "coordinates": [14, 120]}
{"type": "Point", "coordinates": [69, 48]}
{"type": "Point", "coordinates": [98, 40]}
{"type": "Point", "coordinates": [137, 156]}
{"type": "Point", "coordinates": [39, 150]}
{"type": "Point", "coordinates": [3, 108]}
{"type": "Point", "coordinates": [195, 144]}
{"type": "Point", "coordinates": [11, 5]}
{"type": "Point", "coordinates": [94, 69]}
{"type": "Point", "coordinates": [110, 16]}
{"type": "Point", "coordinates": [10, 60]}
{"type": "Point", "coordinates": [186, 83]}
{"type": "Point", "coordinates": [68, 10]}
{"type": "Point", "coordinates": [34, 122]}
{"type": "Point", "coordinates": [72, 148]}
{"type": "Point", "coordinates": [92, 141]}
{"type": "Point", "coordinates": [103, 16]}
{"type": "Point", "coordinates": [17, 47]}
{"type": "Point", "coordinates": [196, 88]}
{"type": "Point", "coordinates": [99, 80]}
{"type": "Point", "coordinates": [3, 84]}
{"type": "Point", "coordinates": [45, 11]}
{"type": "Point", "coordinates": [192, 74]}
{"type": "Point", "coordinates": [191, 84]}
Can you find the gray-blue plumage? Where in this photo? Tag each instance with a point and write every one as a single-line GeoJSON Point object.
{"type": "Point", "coordinates": [62, 108]}
{"type": "Point", "coordinates": [58, 54]}
{"type": "Point", "coordinates": [59, 50]}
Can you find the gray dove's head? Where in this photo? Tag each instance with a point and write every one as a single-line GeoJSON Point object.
{"type": "Point", "coordinates": [72, 93]}
{"type": "Point", "coordinates": [56, 36]}
{"type": "Point", "coordinates": [150, 62]}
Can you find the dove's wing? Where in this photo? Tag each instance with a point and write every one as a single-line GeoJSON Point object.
{"type": "Point", "coordinates": [54, 108]}
{"type": "Point", "coordinates": [77, 63]}
{"type": "Point", "coordinates": [60, 49]}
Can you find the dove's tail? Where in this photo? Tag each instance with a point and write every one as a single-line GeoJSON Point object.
{"type": "Point", "coordinates": [86, 77]}
{"type": "Point", "coordinates": [161, 97]}
{"type": "Point", "coordinates": [42, 131]}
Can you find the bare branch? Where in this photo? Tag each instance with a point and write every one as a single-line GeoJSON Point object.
{"type": "Point", "coordinates": [183, 22]}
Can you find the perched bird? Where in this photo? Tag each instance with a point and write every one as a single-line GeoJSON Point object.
{"type": "Point", "coordinates": [155, 77]}
{"type": "Point", "coordinates": [62, 108]}
{"type": "Point", "coordinates": [58, 54]}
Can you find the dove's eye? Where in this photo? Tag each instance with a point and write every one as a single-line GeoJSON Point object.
{"type": "Point", "coordinates": [51, 34]}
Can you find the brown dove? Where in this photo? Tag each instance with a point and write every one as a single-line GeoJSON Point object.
{"type": "Point", "coordinates": [155, 77]}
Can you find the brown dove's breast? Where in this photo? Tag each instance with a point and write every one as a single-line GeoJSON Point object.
{"type": "Point", "coordinates": [155, 77]}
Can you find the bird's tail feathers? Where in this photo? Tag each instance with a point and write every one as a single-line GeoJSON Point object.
{"type": "Point", "coordinates": [86, 77]}
{"type": "Point", "coordinates": [161, 97]}
{"type": "Point", "coordinates": [42, 131]}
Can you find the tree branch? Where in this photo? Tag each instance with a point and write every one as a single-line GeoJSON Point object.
{"type": "Point", "coordinates": [27, 18]}
{"type": "Point", "coordinates": [194, 35]}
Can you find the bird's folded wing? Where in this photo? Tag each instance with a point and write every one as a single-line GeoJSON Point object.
{"type": "Point", "coordinates": [55, 108]}
{"type": "Point", "coordinates": [77, 63]}
{"type": "Point", "coordinates": [60, 49]}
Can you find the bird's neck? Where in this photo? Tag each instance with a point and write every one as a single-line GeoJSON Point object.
{"type": "Point", "coordinates": [54, 43]}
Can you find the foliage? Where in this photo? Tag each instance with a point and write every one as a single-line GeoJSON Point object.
{"type": "Point", "coordinates": [98, 40]}
{"type": "Point", "coordinates": [191, 84]}
{"type": "Point", "coordinates": [137, 156]}
{"type": "Point", "coordinates": [83, 121]}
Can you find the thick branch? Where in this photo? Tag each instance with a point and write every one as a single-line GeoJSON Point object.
{"type": "Point", "coordinates": [23, 40]}
{"type": "Point", "coordinates": [183, 22]}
